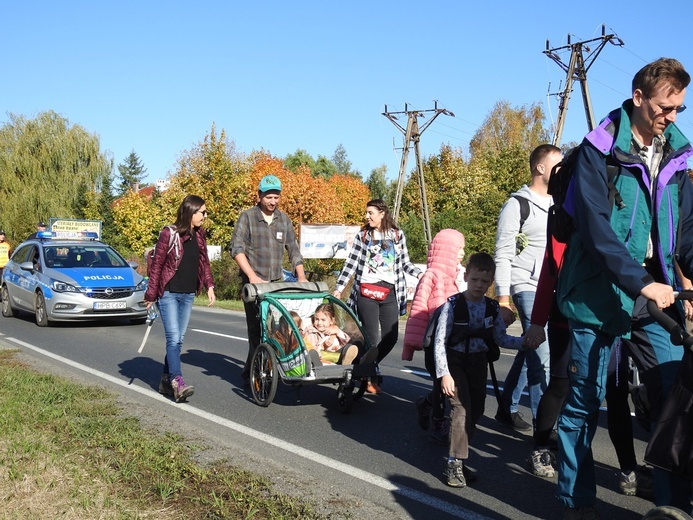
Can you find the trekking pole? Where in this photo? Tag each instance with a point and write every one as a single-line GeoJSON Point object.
{"type": "Point", "coordinates": [152, 314]}
{"type": "Point", "coordinates": [494, 379]}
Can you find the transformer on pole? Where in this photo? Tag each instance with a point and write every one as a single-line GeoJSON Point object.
{"type": "Point", "coordinates": [576, 70]}
{"type": "Point", "coordinates": [412, 134]}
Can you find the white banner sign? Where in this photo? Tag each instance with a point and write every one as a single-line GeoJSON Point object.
{"type": "Point", "coordinates": [72, 227]}
{"type": "Point", "coordinates": [326, 240]}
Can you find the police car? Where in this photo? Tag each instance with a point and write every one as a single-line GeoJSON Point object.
{"type": "Point", "coordinates": [75, 277]}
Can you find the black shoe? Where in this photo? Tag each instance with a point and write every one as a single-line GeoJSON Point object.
{"type": "Point", "coordinates": [514, 420]}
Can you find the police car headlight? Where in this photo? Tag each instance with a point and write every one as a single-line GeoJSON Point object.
{"type": "Point", "coordinates": [142, 286]}
{"type": "Point", "coordinates": [63, 287]}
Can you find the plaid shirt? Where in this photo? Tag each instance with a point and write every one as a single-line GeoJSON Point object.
{"type": "Point", "coordinates": [264, 244]}
{"type": "Point", "coordinates": [356, 261]}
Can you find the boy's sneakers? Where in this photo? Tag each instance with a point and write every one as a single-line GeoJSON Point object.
{"type": "Point", "coordinates": [514, 420]}
{"type": "Point", "coordinates": [165, 387]}
{"type": "Point", "coordinates": [181, 391]}
{"type": "Point", "coordinates": [423, 409]}
{"type": "Point", "coordinates": [454, 473]}
{"type": "Point", "coordinates": [440, 431]}
{"type": "Point", "coordinates": [637, 482]}
{"type": "Point", "coordinates": [540, 461]}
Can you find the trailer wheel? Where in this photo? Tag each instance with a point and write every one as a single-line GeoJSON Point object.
{"type": "Point", "coordinates": [264, 377]}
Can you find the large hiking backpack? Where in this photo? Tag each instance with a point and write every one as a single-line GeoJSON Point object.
{"type": "Point", "coordinates": [560, 221]}
{"type": "Point", "coordinates": [172, 243]}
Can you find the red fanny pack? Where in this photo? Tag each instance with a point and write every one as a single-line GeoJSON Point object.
{"type": "Point", "coordinates": [374, 292]}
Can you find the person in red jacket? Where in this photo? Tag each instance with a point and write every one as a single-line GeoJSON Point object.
{"type": "Point", "coordinates": [175, 276]}
{"type": "Point", "coordinates": [435, 286]}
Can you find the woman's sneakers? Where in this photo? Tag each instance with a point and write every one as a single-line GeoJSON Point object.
{"type": "Point", "coordinates": [181, 391]}
{"type": "Point", "coordinates": [373, 388]}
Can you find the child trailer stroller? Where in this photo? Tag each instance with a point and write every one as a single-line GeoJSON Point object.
{"type": "Point", "coordinates": [283, 353]}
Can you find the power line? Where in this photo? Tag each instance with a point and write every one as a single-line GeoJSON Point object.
{"type": "Point", "coordinates": [412, 134]}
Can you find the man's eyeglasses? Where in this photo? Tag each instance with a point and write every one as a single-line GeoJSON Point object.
{"type": "Point", "coordinates": [666, 110]}
{"type": "Point", "coordinates": [203, 211]}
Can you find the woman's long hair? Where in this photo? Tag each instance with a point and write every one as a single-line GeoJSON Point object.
{"type": "Point", "coordinates": [388, 222]}
{"type": "Point", "coordinates": [190, 205]}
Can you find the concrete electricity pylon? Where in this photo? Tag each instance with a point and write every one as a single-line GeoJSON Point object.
{"type": "Point", "coordinates": [412, 134]}
{"type": "Point", "coordinates": [576, 70]}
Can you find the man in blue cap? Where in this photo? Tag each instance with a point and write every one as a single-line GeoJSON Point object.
{"type": "Point", "coordinates": [260, 236]}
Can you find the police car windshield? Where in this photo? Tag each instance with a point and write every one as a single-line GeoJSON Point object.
{"type": "Point", "coordinates": [75, 255]}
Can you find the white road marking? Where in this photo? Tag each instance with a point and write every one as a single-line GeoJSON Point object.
{"type": "Point", "coordinates": [220, 334]}
{"type": "Point", "coordinates": [274, 442]}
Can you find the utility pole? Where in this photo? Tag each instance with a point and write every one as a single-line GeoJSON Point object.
{"type": "Point", "coordinates": [412, 134]}
{"type": "Point", "coordinates": [576, 70]}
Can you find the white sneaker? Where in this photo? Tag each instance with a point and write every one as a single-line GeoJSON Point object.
{"type": "Point", "coordinates": [540, 461]}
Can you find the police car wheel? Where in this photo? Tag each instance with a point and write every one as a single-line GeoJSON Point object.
{"type": "Point", "coordinates": [7, 310]}
{"type": "Point", "coordinates": [40, 310]}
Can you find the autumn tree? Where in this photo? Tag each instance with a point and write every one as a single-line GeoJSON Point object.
{"type": "Point", "coordinates": [505, 139]}
{"type": "Point", "coordinates": [215, 171]}
{"type": "Point", "coordinates": [48, 168]}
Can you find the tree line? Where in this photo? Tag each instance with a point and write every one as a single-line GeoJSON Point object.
{"type": "Point", "coordinates": [51, 168]}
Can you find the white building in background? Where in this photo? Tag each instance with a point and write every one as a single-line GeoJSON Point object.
{"type": "Point", "coordinates": [162, 184]}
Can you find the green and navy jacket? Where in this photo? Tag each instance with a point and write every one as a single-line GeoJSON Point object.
{"type": "Point", "coordinates": [603, 271]}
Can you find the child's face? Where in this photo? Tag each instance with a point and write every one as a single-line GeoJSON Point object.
{"type": "Point", "coordinates": [322, 321]}
{"type": "Point", "coordinates": [460, 253]}
{"type": "Point", "coordinates": [478, 282]}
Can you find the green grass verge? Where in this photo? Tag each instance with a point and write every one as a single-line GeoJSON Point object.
{"type": "Point", "coordinates": [68, 451]}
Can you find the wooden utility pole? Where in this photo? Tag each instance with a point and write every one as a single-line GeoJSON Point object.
{"type": "Point", "coordinates": [576, 70]}
{"type": "Point", "coordinates": [412, 134]}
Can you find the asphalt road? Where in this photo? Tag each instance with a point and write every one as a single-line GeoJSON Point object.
{"type": "Point", "coordinates": [374, 460]}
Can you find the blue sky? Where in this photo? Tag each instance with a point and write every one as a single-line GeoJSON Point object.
{"type": "Point", "coordinates": [154, 76]}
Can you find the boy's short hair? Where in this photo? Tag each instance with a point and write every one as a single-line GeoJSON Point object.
{"type": "Point", "coordinates": [482, 262]}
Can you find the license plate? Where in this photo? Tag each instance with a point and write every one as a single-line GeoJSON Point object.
{"type": "Point", "coordinates": [110, 306]}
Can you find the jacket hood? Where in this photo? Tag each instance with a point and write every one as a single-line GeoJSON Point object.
{"type": "Point", "coordinates": [443, 251]}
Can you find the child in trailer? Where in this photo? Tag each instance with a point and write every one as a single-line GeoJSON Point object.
{"type": "Point", "coordinates": [331, 343]}
{"type": "Point", "coordinates": [469, 325]}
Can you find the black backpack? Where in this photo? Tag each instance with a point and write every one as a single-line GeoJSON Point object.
{"type": "Point", "coordinates": [461, 330]}
{"type": "Point", "coordinates": [462, 315]}
{"type": "Point", "coordinates": [560, 223]}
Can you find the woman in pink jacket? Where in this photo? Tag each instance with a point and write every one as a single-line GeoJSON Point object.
{"type": "Point", "coordinates": [436, 285]}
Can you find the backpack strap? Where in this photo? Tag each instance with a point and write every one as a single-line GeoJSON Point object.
{"type": "Point", "coordinates": [524, 209]}
{"type": "Point", "coordinates": [173, 241]}
{"type": "Point", "coordinates": [612, 170]}
{"type": "Point", "coordinates": [462, 331]}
